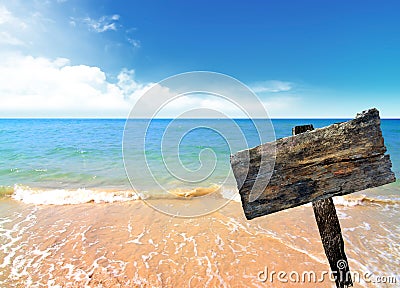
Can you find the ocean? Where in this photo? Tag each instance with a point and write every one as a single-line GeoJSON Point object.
{"type": "Point", "coordinates": [71, 217]}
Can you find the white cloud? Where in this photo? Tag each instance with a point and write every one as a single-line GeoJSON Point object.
{"type": "Point", "coordinates": [103, 24]}
{"type": "Point", "coordinates": [278, 97]}
{"type": "Point", "coordinates": [6, 38]}
{"type": "Point", "coordinates": [6, 17]}
{"type": "Point", "coordinates": [280, 105]}
{"type": "Point", "coordinates": [200, 106]}
{"type": "Point", "coordinates": [115, 17]}
{"type": "Point", "coordinates": [272, 86]}
{"type": "Point", "coordinates": [11, 29]}
{"type": "Point", "coordinates": [135, 43]}
{"type": "Point", "coordinates": [40, 87]}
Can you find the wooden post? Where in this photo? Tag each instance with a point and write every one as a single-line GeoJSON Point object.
{"type": "Point", "coordinates": [330, 232]}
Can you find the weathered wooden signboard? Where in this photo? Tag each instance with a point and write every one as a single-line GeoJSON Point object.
{"type": "Point", "coordinates": [313, 167]}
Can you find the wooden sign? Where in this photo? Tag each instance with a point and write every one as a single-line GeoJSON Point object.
{"type": "Point", "coordinates": [313, 166]}
{"type": "Point", "coordinates": [336, 160]}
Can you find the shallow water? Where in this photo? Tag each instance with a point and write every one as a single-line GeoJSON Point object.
{"type": "Point", "coordinates": [69, 217]}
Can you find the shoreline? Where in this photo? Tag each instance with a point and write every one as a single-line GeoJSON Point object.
{"type": "Point", "coordinates": [131, 244]}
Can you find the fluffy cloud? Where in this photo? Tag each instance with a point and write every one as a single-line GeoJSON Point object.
{"type": "Point", "coordinates": [200, 106]}
{"type": "Point", "coordinates": [279, 106]}
{"type": "Point", "coordinates": [41, 87]}
{"type": "Point", "coordinates": [278, 97]}
{"type": "Point", "coordinates": [5, 15]}
{"type": "Point", "coordinates": [103, 24]}
{"type": "Point", "coordinates": [272, 86]}
{"type": "Point", "coordinates": [10, 20]}
{"type": "Point", "coordinates": [6, 38]}
{"type": "Point", "coordinates": [10, 25]}
{"type": "Point", "coordinates": [135, 43]}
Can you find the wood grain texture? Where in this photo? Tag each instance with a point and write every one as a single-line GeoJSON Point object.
{"type": "Point", "coordinates": [332, 240]}
{"type": "Point", "coordinates": [335, 160]}
{"type": "Point", "coordinates": [330, 232]}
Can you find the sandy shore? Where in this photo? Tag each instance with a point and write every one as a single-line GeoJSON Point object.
{"type": "Point", "coordinates": [131, 245]}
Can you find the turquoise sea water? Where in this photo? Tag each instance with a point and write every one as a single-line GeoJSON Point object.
{"type": "Point", "coordinates": [48, 162]}
{"type": "Point", "coordinates": [87, 153]}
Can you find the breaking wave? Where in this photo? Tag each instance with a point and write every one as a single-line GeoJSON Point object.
{"type": "Point", "coordinates": [364, 200]}
{"type": "Point", "coordinates": [70, 196]}
{"type": "Point", "coordinates": [41, 196]}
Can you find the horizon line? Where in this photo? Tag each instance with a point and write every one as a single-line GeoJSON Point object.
{"type": "Point", "coordinates": [197, 118]}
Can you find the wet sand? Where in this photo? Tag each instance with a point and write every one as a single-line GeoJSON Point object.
{"type": "Point", "coordinates": [129, 244]}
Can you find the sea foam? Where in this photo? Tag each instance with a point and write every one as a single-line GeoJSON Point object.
{"type": "Point", "coordinates": [68, 196]}
{"type": "Point", "coordinates": [41, 196]}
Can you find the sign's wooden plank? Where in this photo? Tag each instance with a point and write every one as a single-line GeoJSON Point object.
{"type": "Point", "coordinates": [336, 160]}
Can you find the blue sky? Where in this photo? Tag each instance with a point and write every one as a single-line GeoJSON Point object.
{"type": "Point", "coordinates": [304, 59]}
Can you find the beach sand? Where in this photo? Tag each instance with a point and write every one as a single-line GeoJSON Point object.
{"type": "Point", "coordinates": [129, 244]}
